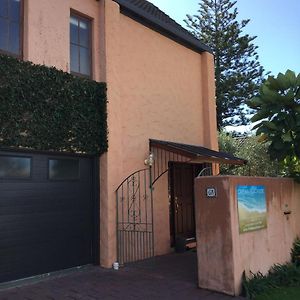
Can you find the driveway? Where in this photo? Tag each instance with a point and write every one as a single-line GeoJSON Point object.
{"type": "Point", "coordinates": [171, 276]}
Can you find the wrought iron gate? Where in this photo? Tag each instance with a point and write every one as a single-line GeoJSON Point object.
{"type": "Point", "coordinates": [135, 239]}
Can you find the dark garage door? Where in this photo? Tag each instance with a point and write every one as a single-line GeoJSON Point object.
{"type": "Point", "coordinates": [46, 213]}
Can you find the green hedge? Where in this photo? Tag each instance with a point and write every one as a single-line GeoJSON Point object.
{"type": "Point", "coordinates": [46, 109]}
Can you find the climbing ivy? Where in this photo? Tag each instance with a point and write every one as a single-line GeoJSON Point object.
{"type": "Point", "coordinates": [43, 108]}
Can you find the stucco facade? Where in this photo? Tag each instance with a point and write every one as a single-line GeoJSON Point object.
{"type": "Point", "coordinates": [157, 88]}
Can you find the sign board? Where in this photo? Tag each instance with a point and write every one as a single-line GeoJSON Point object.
{"type": "Point", "coordinates": [252, 207]}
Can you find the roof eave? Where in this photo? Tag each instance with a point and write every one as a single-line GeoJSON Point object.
{"type": "Point", "coordinates": [198, 157]}
{"type": "Point", "coordinates": [139, 15]}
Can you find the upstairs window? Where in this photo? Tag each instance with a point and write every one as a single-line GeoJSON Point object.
{"type": "Point", "coordinates": [10, 27]}
{"type": "Point", "coordinates": [80, 45]}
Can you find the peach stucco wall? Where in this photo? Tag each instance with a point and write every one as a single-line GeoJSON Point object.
{"type": "Point", "coordinates": [157, 88]}
{"type": "Point", "coordinates": [46, 31]}
{"type": "Point", "coordinates": [223, 253]}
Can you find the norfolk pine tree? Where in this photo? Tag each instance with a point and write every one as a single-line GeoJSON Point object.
{"type": "Point", "coordinates": [237, 69]}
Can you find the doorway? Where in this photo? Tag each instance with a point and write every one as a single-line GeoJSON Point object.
{"type": "Point", "coordinates": [182, 210]}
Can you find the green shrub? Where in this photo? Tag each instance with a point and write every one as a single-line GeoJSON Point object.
{"type": "Point", "coordinates": [295, 252]}
{"type": "Point", "coordinates": [287, 275]}
{"type": "Point", "coordinates": [277, 119]}
{"type": "Point", "coordinates": [249, 148]}
{"type": "Point", "coordinates": [289, 293]}
{"type": "Point", "coordinates": [46, 109]}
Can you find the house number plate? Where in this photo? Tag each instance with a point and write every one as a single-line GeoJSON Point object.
{"type": "Point", "coordinates": [211, 192]}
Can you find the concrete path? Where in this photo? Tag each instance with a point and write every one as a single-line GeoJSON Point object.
{"type": "Point", "coordinates": [166, 277]}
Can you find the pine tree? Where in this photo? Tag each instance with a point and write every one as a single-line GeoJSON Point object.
{"type": "Point", "coordinates": [237, 69]}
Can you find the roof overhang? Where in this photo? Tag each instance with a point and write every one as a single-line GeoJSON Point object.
{"type": "Point", "coordinates": [143, 12]}
{"type": "Point", "coordinates": [197, 153]}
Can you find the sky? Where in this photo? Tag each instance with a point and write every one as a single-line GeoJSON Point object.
{"type": "Point", "coordinates": [276, 23]}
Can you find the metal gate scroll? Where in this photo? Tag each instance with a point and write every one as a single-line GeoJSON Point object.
{"type": "Point", "coordinates": [135, 239]}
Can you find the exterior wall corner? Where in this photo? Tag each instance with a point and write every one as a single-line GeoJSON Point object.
{"type": "Point", "coordinates": [111, 162]}
{"type": "Point", "coordinates": [209, 101]}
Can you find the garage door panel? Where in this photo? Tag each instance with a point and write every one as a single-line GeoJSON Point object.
{"type": "Point", "coordinates": [30, 229]}
{"type": "Point", "coordinates": [49, 203]}
{"type": "Point", "coordinates": [45, 225]}
{"type": "Point", "coordinates": [45, 194]}
{"type": "Point", "coordinates": [38, 186]}
{"type": "Point", "coordinates": [28, 261]}
{"type": "Point", "coordinates": [13, 246]}
{"type": "Point", "coordinates": [45, 248]}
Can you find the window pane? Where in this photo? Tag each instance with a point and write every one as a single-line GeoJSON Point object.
{"type": "Point", "coordinates": [14, 167]}
{"type": "Point", "coordinates": [84, 33]}
{"type": "Point", "coordinates": [14, 10]}
{"type": "Point", "coordinates": [74, 58]}
{"type": "Point", "coordinates": [3, 34]}
{"type": "Point", "coordinates": [80, 45]}
{"type": "Point", "coordinates": [63, 169]}
{"type": "Point", "coordinates": [14, 38]}
{"type": "Point", "coordinates": [3, 8]}
{"type": "Point", "coordinates": [74, 30]}
{"type": "Point", "coordinates": [85, 61]}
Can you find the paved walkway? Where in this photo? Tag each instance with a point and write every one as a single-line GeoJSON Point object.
{"type": "Point", "coordinates": [166, 277]}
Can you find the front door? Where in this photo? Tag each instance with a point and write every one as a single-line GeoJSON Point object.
{"type": "Point", "coordinates": [182, 211]}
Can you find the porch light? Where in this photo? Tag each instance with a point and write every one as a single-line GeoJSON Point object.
{"type": "Point", "coordinates": [149, 160]}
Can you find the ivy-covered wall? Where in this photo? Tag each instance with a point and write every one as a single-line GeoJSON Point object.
{"type": "Point", "coordinates": [46, 109]}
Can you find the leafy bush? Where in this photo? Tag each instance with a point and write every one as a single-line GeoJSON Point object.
{"type": "Point", "coordinates": [290, 293]}
{"type": "Point", "coordinates": [287, 275]}
{"type": "Point", "coordinates": [295, 252]}
{"type": "Point", "coordinates": [278, 117]}
{"type": "Point", "coordinates": [46, 109]}
{"type": "Point", "coordinates": [249, 148]}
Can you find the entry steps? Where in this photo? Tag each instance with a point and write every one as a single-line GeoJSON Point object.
{"type": "Point", "coordinates": [183, 244]}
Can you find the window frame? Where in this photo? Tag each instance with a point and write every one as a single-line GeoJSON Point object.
{"type": "Point", "coordinates": [84, 17]}
{"type": "Point", "coordinates": [62, 179]}
{"type": "Point", "coordinates": [21, 35]}
{"type": "Point", "coordinates": [18, 178]}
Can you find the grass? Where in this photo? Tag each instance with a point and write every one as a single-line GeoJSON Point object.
{"type": "Point", "coordinates": [288, 293]}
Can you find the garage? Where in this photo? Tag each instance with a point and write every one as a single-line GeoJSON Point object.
{"type": "Point", "coordinates": [48, 219]}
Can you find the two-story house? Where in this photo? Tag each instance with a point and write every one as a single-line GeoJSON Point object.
{"type": "Point", "coordinates": [61, 211]}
